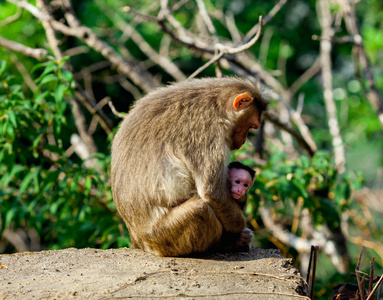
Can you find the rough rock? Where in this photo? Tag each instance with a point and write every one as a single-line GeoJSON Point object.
{"type": "Point", "coordinates": [129, 273]}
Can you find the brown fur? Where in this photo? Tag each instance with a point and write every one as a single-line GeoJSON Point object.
{"type": "Point", "coordinates": [174, 144]}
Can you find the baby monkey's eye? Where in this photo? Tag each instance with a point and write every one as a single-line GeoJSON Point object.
{"type": "Point", "coordinates": [237, 182]}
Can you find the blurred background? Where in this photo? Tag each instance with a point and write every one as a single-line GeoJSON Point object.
{"type": "Point", "coordinates": [70, 71]}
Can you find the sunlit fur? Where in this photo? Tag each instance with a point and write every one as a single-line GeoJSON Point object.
{"type": "Point", "coordinates": [174, 144]}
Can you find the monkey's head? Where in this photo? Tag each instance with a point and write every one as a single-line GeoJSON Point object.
{"type": "Point", "coordinates": [248, 107]}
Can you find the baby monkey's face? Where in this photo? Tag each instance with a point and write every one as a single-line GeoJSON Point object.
{"type": "Point", "coordinates": [240, 182]}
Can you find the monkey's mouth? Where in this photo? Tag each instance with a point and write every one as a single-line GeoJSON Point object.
{"type": "Point", "coordinates": [253, 126]}
{"type": "Point", "coordinates": [236, 196]}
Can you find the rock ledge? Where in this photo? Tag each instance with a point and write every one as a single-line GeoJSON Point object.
{"type": "Point", "coordinates": [128, 273]}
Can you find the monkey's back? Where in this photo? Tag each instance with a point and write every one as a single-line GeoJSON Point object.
{"type": "Point", "coordinates": [163, 142]}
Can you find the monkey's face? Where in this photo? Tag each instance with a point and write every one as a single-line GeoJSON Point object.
{"type": "Point", "coordinates": [242, 128]}
{"type": "Point", "coordinates": [248, 117]}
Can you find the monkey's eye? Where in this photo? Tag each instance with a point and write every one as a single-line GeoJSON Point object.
{"type": "Point", "coordinates": [246, 185]}
{"type": "Point", "coordinates": [237, 182]}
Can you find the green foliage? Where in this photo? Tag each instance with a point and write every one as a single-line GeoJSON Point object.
{"type": "Point", "coordinates": [40, 187]}
{"type": "Point", "coordinates": [306, 183]}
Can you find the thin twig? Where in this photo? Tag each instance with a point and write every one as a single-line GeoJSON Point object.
{"type": "Point", "coordinates": [166, 64]}
{"type": "Point", "coordinates": [266, 19]}
{"type": "Point", "coordinates": [316, 248]}
{"type": "Point", "coordinates": [360, 286]}
{"type": "Point", "coordinates": [206, 19]}
{"type": "Point", "coordinates": [235, 50]}
{"type": "Point", "coordinates": [374, 289]}
{"type": "Point", "coordinates": [114, 110]}
{"type": "Point", "coordinates": [306, 76]}
{"type": "Point", "coordinates": [371, 280]}
{"type": "Point", "coordinates": [209, 63]}
{"type": "Point", "coordinates": [24, 73]}
{"type": "Point", "coordinates": [275, 120]}
{"type": "Point", "coordinates": [177, 6]}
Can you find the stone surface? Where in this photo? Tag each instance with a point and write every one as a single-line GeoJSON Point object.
{"type": "Point", "coordinates": [128, 273]}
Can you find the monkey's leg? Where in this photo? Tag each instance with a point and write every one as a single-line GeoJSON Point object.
{"type": "Point", "coordinates": [188, 228]}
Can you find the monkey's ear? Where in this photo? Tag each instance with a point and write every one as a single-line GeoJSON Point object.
{"type": "Point", "coordinates": [242, 100]}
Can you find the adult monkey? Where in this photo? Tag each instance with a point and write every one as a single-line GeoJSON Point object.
{"type": "Point", "coordinates": [174, 144]}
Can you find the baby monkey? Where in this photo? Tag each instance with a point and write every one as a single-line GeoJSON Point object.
{"type": "Point", "coordinates": [241, 179]}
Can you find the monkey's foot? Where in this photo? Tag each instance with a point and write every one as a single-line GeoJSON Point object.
{"type": "Point", "coordinates": [244, 239]}
{"type": "Point", "coordinates": [236, 241]}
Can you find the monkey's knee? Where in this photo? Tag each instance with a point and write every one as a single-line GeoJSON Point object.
{"type": "Point", "coordinates": [191, 228]}
{"type": "Point", "coordinates": [204, 215]}
{"type": "Point", "coordinates": [208, 228]}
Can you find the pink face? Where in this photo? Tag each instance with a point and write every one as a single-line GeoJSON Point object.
{"type": "Point", "coordinates": [240, 181]}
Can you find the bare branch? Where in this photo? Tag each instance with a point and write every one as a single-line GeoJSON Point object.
{"type": "Point", "coordinates": [205, 66]}
{"type": "Point", "coordinates": [275, 120]}
{"type": "Point", "coordinates": [51, 34]}
{"type": "Point", "coordinates": [11, 45]}
{"type": "Point", "coordinates": [91, 105]}
{"type": "Point", "coordinates": [145, 47]}
{"type": "Point", "coordinates": [83, 128]}
{"type": "Point", "coordinates": [234, 50]}
{"type": "Point", "coordinates": [325, 58]}
{"type": "Point", "coordinates": [31, 8]}
{"type": "Point", "coordinates": [266, 19]}
{"type": "Point", "coordinates": [15, 239]}
{"type": "Point", "coordinates": [306, 76]}
{"type": "Point", "coordinates": [360, 283]}
{"type": "Point", "coordinates": [375, 288]}
{"type": "Point", "coordinates": [12, 18]}
{"type": "Point", "coordinates": [232, 27]}
{"type": "Point", "coordinates": [114, 110]}
{"type": "Point", "coordinates": [26, 76]}
{"type": "Point", "coordinates": [206, 18]}
{"type": "Point", "coordinates": [139, 77]}
{"type": "Point", "coordinates": [322, 239]}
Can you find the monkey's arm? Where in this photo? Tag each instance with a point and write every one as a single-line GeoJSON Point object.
{"type": "Point", "coordinates": [215, 191]}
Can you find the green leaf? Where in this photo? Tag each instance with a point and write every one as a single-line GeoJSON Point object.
{"type": "Point", "coordinates": [49, 78]}
{"type": "Point", "coordinates": [12, 118]}
{"type": "Point", "coordinates": [67, 75]}
{"type": "Point", "coordinates": [3, 66]}
{"type": "Point", "coordinates": [25, 183]}
{"type": "Point", "coordinates": [59, 93]}
{"type": "Point", "coordinates": [39, 98]}
{"type": "Point", "coordinates": [9, 216]}
{"type": "Point", "coordinates": [87, 185]}
{"type": "Point", "coordinates": [37, 140]}
{"type": "Point", "coordinates": [7, 178]}
{"type": "Point", "coordinates": [50, 67]}
{"type": "Point", "coordinates": [300, 187]}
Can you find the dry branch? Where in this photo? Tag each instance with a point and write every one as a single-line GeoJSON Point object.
{"type": "Point", "coordinates": [325, 57]}
{"type": "Point", "coordinates": [11, 45]}
{"type": "Point", "coordinates": [327, 244]}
